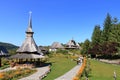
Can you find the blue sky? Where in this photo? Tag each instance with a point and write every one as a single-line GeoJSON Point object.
{"type": "Point", "coordinates": [53, 20]}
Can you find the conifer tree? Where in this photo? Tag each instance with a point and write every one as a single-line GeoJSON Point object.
{"type": "Point", "coordinates": [114, 31]}
{"type": "Point", "coordinates": [96, 36]}
{"type": "Point", "coordinates": [106, 28]}
{"type": "Point", "coordinates": [85, 47]}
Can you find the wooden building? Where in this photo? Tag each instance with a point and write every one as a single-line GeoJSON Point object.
{"type": "Point", "coordinates": [28, 50]}
{"type": "Point", "coordinates": [72, 45]}
{"type": "Point", "coordinates": [55, 46]}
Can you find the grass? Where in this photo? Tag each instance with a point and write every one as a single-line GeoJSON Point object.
{"type": "Point", "coordinates": [103, 71]}
{"type": "Point", "coordinates": [60, 65]}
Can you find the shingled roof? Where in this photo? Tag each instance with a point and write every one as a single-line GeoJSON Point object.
{"type": "Point", "coordinates": [29, 49]}
{"type": "Point", "coordinates": [29, 44]}
{"type": "Point", "coordinates": [56, 45]}
{"type": "Point", "coordinates": [71, 42]}
{"type": "Point", "coordinates": [72, 45]}
{"type": "Point", "coordinates": [26, 56]}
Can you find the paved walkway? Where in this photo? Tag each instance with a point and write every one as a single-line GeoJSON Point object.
{"type": "Point", "coordinates": [70, 74]}
{"type": "Point", "coordinates": [117, 61]}
{"type": "Point", "coordinates": [41, 72]}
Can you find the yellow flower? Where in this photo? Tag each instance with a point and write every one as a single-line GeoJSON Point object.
{"type": "Point", "coordinates": [2, 75]}
{"type": "Point", "coordinates": [76, 78]}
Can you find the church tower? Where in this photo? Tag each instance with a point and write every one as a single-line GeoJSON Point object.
{"type": "Point", "coordinates": [29, 45]}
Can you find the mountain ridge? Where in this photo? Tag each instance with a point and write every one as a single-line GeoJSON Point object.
{"type": "Point", "coordinates": [8, 46]}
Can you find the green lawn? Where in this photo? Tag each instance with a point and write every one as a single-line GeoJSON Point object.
{"type": "Point", "coordinates": [60, 65]}
{"type": "Point", "coordinates": [103, 71]}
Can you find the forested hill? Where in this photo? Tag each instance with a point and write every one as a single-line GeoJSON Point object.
{"type": "Point", "coordinates": [8, 46]}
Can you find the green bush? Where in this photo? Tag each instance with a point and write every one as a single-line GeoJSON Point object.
{"type": "Point", "coordinates": [5, 61]}
{"type": "Point", "coordinates": [87, 71]}
{"type": "Point", "coordinates": [62, 51]}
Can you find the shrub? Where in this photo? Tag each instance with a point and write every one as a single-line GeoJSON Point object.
{"type": "Point", "coordinates": [2, 75]}
{"type": "Point", "coordinates": [81, 70]}
{"type": "Point", "coordinates": [76, 78]}
{"type": "Point", "coordinates": [62, 51]}
{"type": "Point", "coordinates": [5, 61]}
{"type": "Point", "coordinates": [15, 74]}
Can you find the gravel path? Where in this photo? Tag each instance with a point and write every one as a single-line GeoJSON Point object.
{"type": "Point", "coordinates": [117, 61]}
{"type": "Point", "coordinates": [70, 74]}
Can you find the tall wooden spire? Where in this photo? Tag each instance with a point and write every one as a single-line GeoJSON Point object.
{"type": "Point", "coordinates": [29, 32]}
{"type": "Point", "coordinates": [29, 45]}
{"type": "Point", "coordinates": [30, 23]}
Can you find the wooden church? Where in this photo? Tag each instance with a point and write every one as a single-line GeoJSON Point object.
{"type": "Point", "coordinates": [28, 50]}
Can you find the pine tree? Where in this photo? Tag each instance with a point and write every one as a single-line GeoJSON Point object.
{"type": "Point", "coordinates": [106, 28]}
{"type": "Point", "coordinates": [114, 31]}
{"type": "Point", "coordinates": [96, 41]}
{"type": "Point", "coordinates": [85, 47]}
{"type": "Point", "coordinates": [115, 20]}
{"type": "Point", "coordinates": [96, 36]}
{"type": "Point", "coordinates": [118, 33]}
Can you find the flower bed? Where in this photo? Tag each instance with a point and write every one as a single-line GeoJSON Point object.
{"type": "Point", "coordinates": [16, 74]}
{"type": "Point", "coordinates": [4, 66]}
{"type": "Point", "coordinates": [80, 71]}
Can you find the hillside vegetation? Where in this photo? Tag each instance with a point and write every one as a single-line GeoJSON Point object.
{"type": "Point", "coordinates": [10, 47]}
